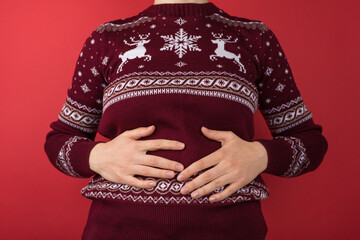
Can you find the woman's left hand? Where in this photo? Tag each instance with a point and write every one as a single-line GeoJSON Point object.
{"type": "Point", "coordinates": [237, 162]}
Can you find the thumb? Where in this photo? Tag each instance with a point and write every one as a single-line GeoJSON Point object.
{"type": "Point", "coordinates": [220, 136]}
{"type": "Point", "coordinates": [139, 132]}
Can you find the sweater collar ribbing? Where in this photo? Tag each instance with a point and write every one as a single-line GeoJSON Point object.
{"type": "Point", "coordinates": [181, 9]}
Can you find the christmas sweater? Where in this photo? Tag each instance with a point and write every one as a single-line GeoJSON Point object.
{"type": "Point", "coordinates": [180, 67]}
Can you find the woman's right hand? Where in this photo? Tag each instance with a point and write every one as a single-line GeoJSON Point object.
{"type": "Point", "coordinates": [125, 156]}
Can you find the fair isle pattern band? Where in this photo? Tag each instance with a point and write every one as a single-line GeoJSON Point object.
{"type": "Point", "coordinates": [280, 122]}
{"type": "Point", "coordinates": [300, 159]}
{"type": "Point", "coordinates": [79, 119]}
{"type": "Point", "coordinates": [283, 106]}
{"type": "Point", "coordinates": [83, 107]}
{"type": "Point", "coordinates": [189, 73]}
{"type": "Point", "coordinates": [211, 86]}
{"type": "Point", "coordinates": [230, 22]}
{"type": "Point", "coordinates": [63, 160]}
{"type": "Point", "coordinates": [166, 191]}
{"type": "Point", "coordinates": [118, 27]}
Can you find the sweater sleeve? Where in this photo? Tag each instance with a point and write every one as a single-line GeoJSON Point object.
{"type": "Point", "coordinates": [298, 145]}
{"type": "Point", "coordinates": [72, 135]}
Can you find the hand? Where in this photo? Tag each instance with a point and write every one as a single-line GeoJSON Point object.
{"type": "Point", "coordinates": [124, 156]}
{"type": "Point", "coordinates": [237, 163]}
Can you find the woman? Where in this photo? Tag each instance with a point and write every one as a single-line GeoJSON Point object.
{"type": "Point", "coordinates": [175, 88]}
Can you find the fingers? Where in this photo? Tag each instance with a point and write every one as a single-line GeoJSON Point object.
{"type": "Point", "coordinates": [210, 187]}
{"type": "Point", "coordinates": [151, 171]}
{"type": "Point", "coordinates": [201, 164]}
{"type": "Point", "coordinates": [133, 181]}
{"type": "Point", "coordinates": [139, 132]}
{"type": "Point", "coordinates": [204, 178]}
{"type": "Point", "coordinates": [228, 191]}
{"type": "Point", "coordinates": [160, 162]}
{"type": "Point", "coordinates": [156, 144]}
{"type": "Point", "coordinates": [220, 136]}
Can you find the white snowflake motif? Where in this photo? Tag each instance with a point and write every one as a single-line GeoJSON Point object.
{"type": "Point", "coordinates": [79, 73]}
{"type": "Point", "coordinates": [268, 71]}
{"type": "Point", "coordinates": [261, 84]}
{"type": "Point", "coordinates": [180, 21]}
{"type": "Point", "coordinates": [94, 71]}
{"type": "Point", "coordinates": [85, 88]}
{"type": "Point", "coordinates": [208, 25]}
{"type": "Point", "coordinates": [219, 66]}
{"type": "Point", "coordinates": [105, 61]}
{"type": "Point", "coordinates": [280, 54]}
{"type": "Point", "coordinates": [153, 26]}
{"type": "Point", "coordinates": [92, 41]}
{"type": "Point", "coordinates": [280, 87]}
{"type": "Point", "coordinates": [81, 54]}
{"type": "Point", "coordinates": [286, 71]}
{"type": "Point", "coordinates": [98, 101]}
{"type": "Point", "coordinates": [180, 64]}
{"type": "Point", "coordinates": [268, 100]}
{"type": "Point", "coordinates": [181, 41]}
{"type": "Point", "coordinates": [267, 43]}
{"type": "Point", "coordinates": [103, 85]}
{"type": "Point", "coordinates": [140, 66]}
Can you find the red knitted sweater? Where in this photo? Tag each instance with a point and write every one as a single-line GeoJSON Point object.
{"type": "Point", "coordinates": [180, 67]}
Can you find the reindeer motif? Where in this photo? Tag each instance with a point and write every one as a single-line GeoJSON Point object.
{"type": "Point", "coordinates": [137, 52]}
{"type": "Point", "coordinates": [221, 52]}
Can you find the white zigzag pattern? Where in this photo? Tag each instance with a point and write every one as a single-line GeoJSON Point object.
{"type": "Point", "coordinates": [98, 187]}
{"type": "Point", "coordinates": [258, 194]}
{"type": "Point", "coordinates": [113, 26]}
{"type": "Point", "coordinates": [83, 107]}
{"type": "Point", "coordinates": [283, 106]}
{"type": "Point", "coordinates": [63, 161]}
{"type": "Point", "coordinates": [300, 159]}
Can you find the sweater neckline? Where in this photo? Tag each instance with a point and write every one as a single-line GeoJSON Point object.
{"type": "Point", "coordinates": [181, 9]}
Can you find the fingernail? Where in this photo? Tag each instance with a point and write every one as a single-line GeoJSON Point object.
{"type": "Point", "coordinates": [180, 177]}
{"type": "Point", "coordinates": [212, 199]}
{"type": "Point", "coordinates": [195, 194]}
{"type": "Point", "coordinates": [179, 167]}
{"type": "Point", "coordinates": [170, 174]}
{"type": "Point", "coordinates": [152, 184]}
{"type": "Point", "coordinates": [181, 144]}
{"type": "Point", "coordinates": [185, 190]}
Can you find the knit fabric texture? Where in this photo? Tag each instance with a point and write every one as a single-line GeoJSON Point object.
{"type": "Point", "coordinates": [180, 67]}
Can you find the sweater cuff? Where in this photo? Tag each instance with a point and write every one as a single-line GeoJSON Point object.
{"type": "Point", "coordinates": [80, 153]}
{"type": "Point", "coordinates": [278, 155]}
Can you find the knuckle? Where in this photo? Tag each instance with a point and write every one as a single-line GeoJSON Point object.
{"type": "Point", "coordinates": [217, 183]}
{"type": "Point", "coordinates": [227, 165]}
{"type": "Point", "coordinates": [200, 165]}
{"type": "Point", "coordinates": [163, 173]}
{"type": "Point", "coordinates": [221, 154]}
{"type": "Point", "coordinates": [144, 171]}
{"type": "Point", "coordinates": [133, 144]}
{"type": "Point", "coordinates": [157, 143]}
{"type": "Point", "coordinates": [153, 160]}
{"type": "Point", "coordinates": [207, 176]}
{"type": "Point", "coordinates": [136, 183]}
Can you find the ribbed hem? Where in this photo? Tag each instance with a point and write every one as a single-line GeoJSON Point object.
{"type": "Point", "coordinates": [110, 219]}
{"type": "Point", "coordinates": [181, 9]}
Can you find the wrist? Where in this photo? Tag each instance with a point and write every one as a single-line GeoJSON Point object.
{"type": "Point", "coordinates": [95, 155]}
{"type": "Point", "coordinates": [262, 155]}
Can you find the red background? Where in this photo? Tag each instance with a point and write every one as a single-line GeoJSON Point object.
{"type": "Point", "coordinates": [40, 42]}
